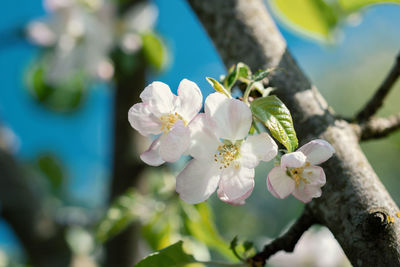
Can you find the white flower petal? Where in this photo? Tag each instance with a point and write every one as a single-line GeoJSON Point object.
{"type": "Point", "coordinates": [142, 120]}
{"type": "Point", "coordinates": [175, 142]}
{"type": "Point", "coordinates": [232, 117]}
{"type": "Point", "coordinates": [235, 183]}
{"type": "Point", "coordinates": [306, 193]}
{"type": "Point", "coordinates": [159, 98]}
{"type": "Point", "coordinates": [189, 100]}
{"type": "Point", "coordinates": [279, 183]}
{"type": "Point", "coordinates": [256, 148]}
{"type": "Point", "coordinates": [235, 202]}
{"type": "Point", "coordinates": [203, 142]}
{"type": "Point", "coordinates": [197, 181]}
{"type": "Point", "coordinates": [314, 175]}
{"type": "Point", "coordinates": [317, 151]}
{"type": "Point", "coordinates": [152, 155]}
{"type": "Point", "coordinates": [293, 160]}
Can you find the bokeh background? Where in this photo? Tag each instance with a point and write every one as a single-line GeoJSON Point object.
{"type": "Point", "coordinates": [79, 143]}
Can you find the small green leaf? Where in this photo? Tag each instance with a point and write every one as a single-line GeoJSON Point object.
{"type": "Point", "coordinates": [260, 75]}
{"type": "Point", "coordinates": [354, 5]}
{"type": "Point", "coordinates": [52, 169]}
{"type": "Point", "coordinates": [63, 97]}
{"type": "Point", "coordinates": [315, 18]}
{"type": "Point", "coordinates": [126, 209]}
{"type": "Point", "coordinates": [154, 50]}
{"type": "Point", "coordinates": [217, 86]}
{"type": "Point", "coordinates": [172, 256]}
{"type": "Point", "coordinates": [274, 114]}
{"type": "Point", "coordinates": [241, 70]}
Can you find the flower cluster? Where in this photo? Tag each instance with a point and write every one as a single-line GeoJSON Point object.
{"type": "Point", "coordinates": [223, 153]}
{"type": "Point", "coordinates": [80, 34]}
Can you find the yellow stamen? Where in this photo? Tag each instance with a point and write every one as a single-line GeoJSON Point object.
{"type": "Point", "coordinates": [226, 154]}
{"type": "Point", "coordinates": [296, 174]}
{"type": "Point", "coordinates": [167, 121]}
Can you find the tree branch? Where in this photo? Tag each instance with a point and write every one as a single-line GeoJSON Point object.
{"type": "Point", "coordinates": [377, 100]}
{"type": "Point", "coordinates": [41, 237]}
{"type": "Point", "coordinates": [287, 241]}
{"type": "Point", "coordinates": [376, 128]}
{"type": "Point", "coordinates": [243, 31]}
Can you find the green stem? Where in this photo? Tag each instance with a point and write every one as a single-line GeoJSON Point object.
{"type": "Point", "coordinates": [247, 93]}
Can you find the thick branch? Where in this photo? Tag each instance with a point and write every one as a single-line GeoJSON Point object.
{"type": "Point", "coordinates": [40, 236]}
{"type": "Point", "coordinates": [377, 100]}
{"type": "Point", "coordinates": [242, 30]}
{"type": "Point", "coordinates": [287, 241]}
{"type": "Point", "coordinates": [379, 127]}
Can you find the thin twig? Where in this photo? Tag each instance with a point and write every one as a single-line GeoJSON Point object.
{"type": "Point", "coordinates": [287, 241]}
{"type": "Point", "coordinates": [377, 100]}
{"type": "Point", "coordinates": [377, 128]}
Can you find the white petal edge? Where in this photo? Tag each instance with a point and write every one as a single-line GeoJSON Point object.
{"type": "Point", "coordinates": [256, 148]}
{"type": "Point", "coordinates": [293, 160]}
{"type": "Point", "coordinates": [279, 183]}
{"type": "Point", "coordinates": [232, 117]}
{"type": "Point", "coordinates": [236, 202]}
{"type": "Point", "coordinates": [317, 151]}
{"type": "Point", "coordinates": [236, 183]}
{"type": "Point", "coordinates": [197, 181]}
{"type": "Point", "coordinates": [142, 120]}
{"type": "Point", "coordinates": [159, 98]}
{"type": "Point", "coordinates": [175, 142]}
{"type": "Point", "coordinates": [203, 142]}
{"type": "Point", "coordinates": [307, 193]}
{"type": "Point", "coordinates": [189, 100]}
{"type": "Point", "coordinates": [152, 155]}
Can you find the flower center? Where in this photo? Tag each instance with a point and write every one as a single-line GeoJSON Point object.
{"type": "Point", "coordinates": [167, 121]}
{"type": "Point", "coordinates": [226, 154]}
{"type": "Point", "coordinates": [296, 174]}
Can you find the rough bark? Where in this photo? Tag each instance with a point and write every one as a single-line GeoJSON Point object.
{"type": "Point", "coordinates": [41, 237]}
{"type": "Point", "coordinates": [354, 204]}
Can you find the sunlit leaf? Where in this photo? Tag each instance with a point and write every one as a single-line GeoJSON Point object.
{"type": "Point", "coordinates": [354, 5]}
{"type": "Point", "coordinates": [200, 224]}
{"type": "Point", "coordinates": [314, 18]}
{"type": "Point", "coordinates": [154, 50]}
{"type": "Point", "coordinates": [217, 86]}
{"type": "Point", "coordinates": [274, 114]}
{"type": "Point", "coordinates": [172, 256]}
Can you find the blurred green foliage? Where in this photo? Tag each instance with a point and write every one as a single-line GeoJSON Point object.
{"type": "Point", "coordinates": [319, 19]}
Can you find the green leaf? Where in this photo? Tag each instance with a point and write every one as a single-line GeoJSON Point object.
{"type": "Point", "coordinates": [314, 18]}
{"type": "Point", "coordinates": [354, 5]}
{"type": "Point", "coordinates": [126, 209]}
{"type": "Point", "coordinates": [241, 70]}
{"type": "Point", "coordinates": [217, 86]}
{"type": "Point", "coordinates": [274, 114]}
{"type": "Point", "coordinates": [172, 256]}
{"type": "Point", "coordinates": [154, 50]}
{"type": "Point", "coordinates": [260, 75]}
{"type": "Point", "coordinates": [64, 97]}
{"type": "Point", "coordinates": [52, 169]}
{"type": "Point", "coordinates": [200, 225]}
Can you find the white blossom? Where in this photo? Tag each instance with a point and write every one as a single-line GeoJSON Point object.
{"type": "Point", "coordinates": [222, 155]}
